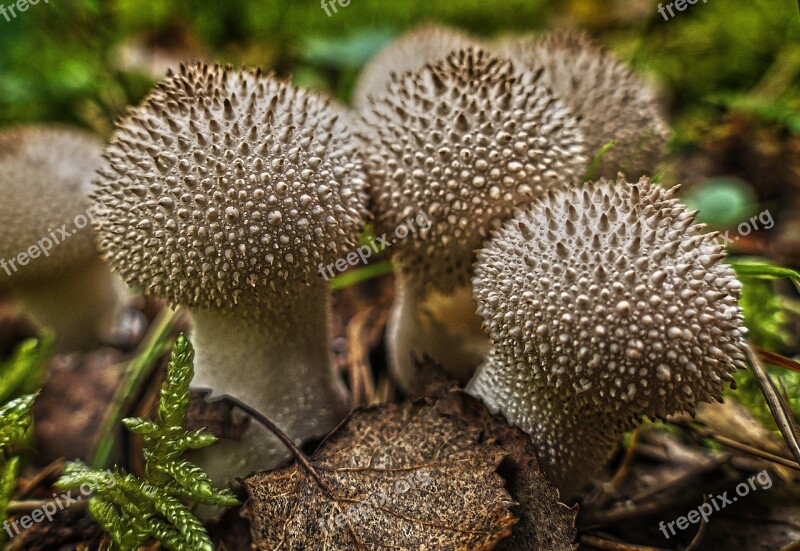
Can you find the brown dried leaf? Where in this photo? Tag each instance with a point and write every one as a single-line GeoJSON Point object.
{"type": "Point", "coordinates": [544, 523]}
{"type": "Point", "coordinates": [400, 476]}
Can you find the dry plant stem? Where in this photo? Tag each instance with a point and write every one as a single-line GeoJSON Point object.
{"type": "Point", "coordinates": [698, 537]}
{"type": "Point", "coordinates": [777, 359]}
{"type": "Point", "coordinates": [360, 373]}
{"type": "Point", "coordinates": [29, 505]}
{"type": "Point", "coordinates": [624, 468]}
{"type": "Point", "coordinates": [137, 370]}
{"type": "Point", "coordinates": [384, 392]}
{"type": "Point", "coordinates": [278, 362]}
{"type": "Point", "coordinates": [55, 468]}
{"type": "Point", "coordinates": [607, 491]}
{"type": "Point", "coordinates": [648, 502]}
{"type": "Point", "coordinates": [284, 438]}
{"type": "Point", "coordinates": [653, 490]}
{"type": "Point", "coordinates": [742, 447]}
{"type": "Point", "coordinates": [600, 543]}
{"type": "Point", "coordinates": [777, 406]}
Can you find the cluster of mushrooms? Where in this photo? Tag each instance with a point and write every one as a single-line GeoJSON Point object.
{"type": "Point", "coordinates": [572, 307]}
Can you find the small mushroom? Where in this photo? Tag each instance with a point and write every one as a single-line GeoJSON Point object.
{"type": "Point", "coordinates": [613, 103]}
{"type": "Point", "coordinates": [48, 257]}
{"type": "Point", "coordinates": [423, 44]}
{"type": "Point", "coordinates": [464, 142]}
{"type": "Point", "coordinates": [604, 304]}
{"type": "Point", "coordinates": [225, 191]}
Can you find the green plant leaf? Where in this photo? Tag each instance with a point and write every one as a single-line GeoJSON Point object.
{"type": "Point", "coordinates": [15, 418]}
{"type": "Point", "coordinates": [134, 511]}
{"type": "Point", "coordinates": [761, 269]}
{"type": "Point", "coordinates": [766, 316]}
{"type": "Point", "coordinates": [22, 373]}
{"type": "Point", "coordinates": [8, 482]}
{"type": "Point", "coordinates": [590, 172]}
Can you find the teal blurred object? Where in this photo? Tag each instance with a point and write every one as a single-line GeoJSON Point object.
{"type": "Point", "coordinates": [722, 201]}
{"type": "Point", "coordinates": [349, 52]}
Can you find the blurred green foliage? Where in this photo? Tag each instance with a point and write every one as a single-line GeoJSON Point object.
{"type": "Point", "coordinates": [766, 316]}
{"type": "Point", "coordinates": [720, 55]}
{"type": "Point", "coordinates": [20, 378]}
{"type": "Point", "coordinates": [15, 419]}
{"type": "Point", "coordinates": [22, 373]}
{"type": "Point", "coordinates": [723, 201]}
{"type": "Point", "coordinates": [61, 61]}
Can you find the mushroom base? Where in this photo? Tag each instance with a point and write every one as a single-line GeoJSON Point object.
{"type": "Point", "coordinates": [81, 308]}
{"type": "Point", "coordinates": [573, 442]}
{"type": "Point", "coordinates": [277, 363]}
{"type": "Point", "coordinates": [444, 327]}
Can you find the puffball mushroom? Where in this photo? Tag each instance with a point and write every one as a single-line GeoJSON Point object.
{"type": "Point", "coordinates": [423, 44]}
{"type": "Point", "coordinates": [49, 259]}
{"type": "Point", "coordinates": [612, 101]}
{"type": "Point", "coordinates": [463, 141]}
{"type": "Point", "coordinates": [225, 191]}
{"type": "Point", "coordinates": [604, 304]}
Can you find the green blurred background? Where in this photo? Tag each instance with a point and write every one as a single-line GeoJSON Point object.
{"type": "Point", "coordinates": [83, 61]}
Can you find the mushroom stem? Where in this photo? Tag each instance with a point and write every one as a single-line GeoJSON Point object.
{"type": "Point", "coordinates": [79, 307]}
{"type": "Point", "coordinates": [276, 361]}
{"type": "Point", "coordinates": [551, 422]}
{"type": "Point", "coordinates": [444, 327]}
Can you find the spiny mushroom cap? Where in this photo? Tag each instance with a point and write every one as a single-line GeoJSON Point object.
{"type": "Point", "coordinates": [612, 297]}
{"type": "Point", "coordinates": [464, 141]}
{"type": "Point", "coordinates": [225, 186]}
{"type": "Point", "coordinates": [611, 101]}
{"type": "Point", "coordinates": [423, 44]}
{"type": "Point", "coordinates": [45, 178]}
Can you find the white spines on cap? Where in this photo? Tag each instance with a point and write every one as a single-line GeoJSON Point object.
{"type": "Point", "coordinates": [611, 101]}
{"type": "Point", "coordinates": [464, 142]}
{"type": "Point", "coordinates": [604, 304]}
